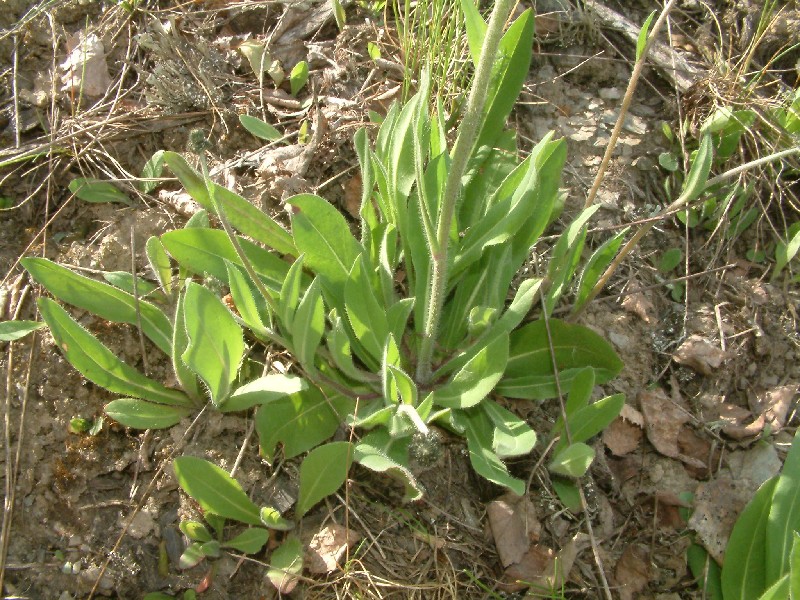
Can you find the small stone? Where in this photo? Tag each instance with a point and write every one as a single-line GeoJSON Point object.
{"type": "Point", "coordinates": [612, 93]}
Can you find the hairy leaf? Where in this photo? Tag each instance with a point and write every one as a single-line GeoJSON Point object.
{"type": "Point", "coordinates": [141, 414]}
{"type": "Point", "coordinates": [101, 299]}
{"type": "Point", "coordinates": [215, 490]}
{"type": "Point", "coordinates": [98, 364]}
{"type": "Point", "coordinates": [216, 344]}
{"type": "Point", "coordinates": [323, 472]}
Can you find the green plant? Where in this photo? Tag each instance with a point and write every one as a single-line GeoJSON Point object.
{"type": "Point", "coordinates": [762, 558]}
{"type": "Point", "coordinates": [394, 333]}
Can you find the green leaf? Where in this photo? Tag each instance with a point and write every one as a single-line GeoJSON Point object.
{"type": "Point", "coordinates": [529, 373]}
{"type": "Point", "coordinates": [204, 252]}
{"type": "Point", "coordinates": [210, 549]}
{"type": "Point", "coordinates": [515, 203]}
{"type": "Point", "coordinates": [668, 161]}
{"type": "Point", "coordinates": [476, 29]}
{"type": "Point", "coordinates": [195, 531]}
{"type": "Point", "coordinates": [589, 420]}
{"type": "Point", "coordinates": [259, 128]}
{"type": "Point", "coordinates": [706, 571]}
{"type": "Point", "coordinates": [101, 299]}
{"type": "Point", "coordinates": [512, 436]}
{"type": "Point", "coordinates": [367, 317]}
{"type": "Point", "coordinates": [373, 50]}
{"type": "Point", "coordinates": [192, 556]}
{"type": "Point", "coordinates": [141, 414]}
{"type": "Point", "coordinates": [214, 490]}
{"type": "Point", "coordinates": [786, 251]}
{"type": "Point", "coordinates": [784, 515]}
{"type": "Point", "coordinates": [264, 390]}
{"type": "Point", "coordinates": [473, 382]}
{"type": "Point", "coordinates": [794, 568]}
{"type": "Point", "coordinates": [298, 77]}
{"type": "Point", "coordinates": [378, 451]}
{"type": "Point", "coordinates": [323, 472]}
{"type": "Point", "coordinates": [286, 564]}
{"type": "Point", "coordinates": [309, 325]}
{"type": "Point", "coordinates": [98, 364]}
{"type": "Point", "coordinates": [14, 330]}
{"type": "Point", "coordinates": [250, 541]}
{"type": "Point", "coordinates": [290, 294]}
{"type": "Point", "coordinates": [185, 376]}
{"type": "Point", "coordinates": [670, 259]}
{"type": "Point", "coordinates": [595, 266]}
{"type": "Point", "coordinates": [338, 343]}
{"type": "Point", "coordinates": [159, 262]}
{"type": "Point", "coordinates": [486, 462]}
{"type": "Point", "coordinates": [152, 170]}
{"type": "Point", "coordinates": [339, 14]}
{"type": "Point", "coordinates": [572, 461]}
{"type": "Point", "coordinates": [580, 392]}
{"type": "Point", "coordinates": [251, 305]}
{"type": "Point", "coordinates": [94, 190]}
{"type": "Point", "coordinates": [566, 255]}
{"type": "Point", "coordinates": [323, 236]}
{"type": "Point", "coordinates": [125, 281]}
{"type": "Point", "coordinates": [779, 591]}
{"type": "Point", "coordinates": [744, 570]}
{"type": "Point", "coordinates": [216, 344]}
{"type": "Point", "coordinates": [643, 33]}
{"type": "Point", "coordinates": [240, 213]}
{"type": "Point", "coordinates": [300, 421]}
{"type": "Point", "coordinates": [698, 174]}
{"type": "Point", "coordinates": [272, 519]}
{"type": "Point", "coordinates": [568, 492]}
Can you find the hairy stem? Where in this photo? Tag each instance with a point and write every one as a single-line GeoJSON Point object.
{"type": "Point", "coordinates": [467, 134]}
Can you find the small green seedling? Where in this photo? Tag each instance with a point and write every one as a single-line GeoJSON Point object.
{"type": "Point", "coordinates": [298, 77]}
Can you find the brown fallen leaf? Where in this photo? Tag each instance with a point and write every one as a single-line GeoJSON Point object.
{"type": "Point", "coordinates": [697, 453]}
{"type": "Point", "coordinates": [622, 437]}
{"type": "Point", "coordinates": [352, 196]}
{"type": "Point", "coordinates": [663, 421]}
{"type": "Point", "coordinates": [717, 504]}
{"type": "Point", "coordinates": [638, 304]}
{"type": "Point", "coordinates": [774, 405]}
{"type": "Point", "coordinates": [328, 546]}
{"type": "Point", "coordinates": [542, 570]}
{"type": "Point", "coordinates": [514, 525]}
{"type": "Point", "coordinates": [699, 354]}
{"type": "Point", "coordinates": [632, 572]}
{"type": "Point", "coordinates": [734, 422]}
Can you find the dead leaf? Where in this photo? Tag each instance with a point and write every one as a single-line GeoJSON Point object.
{"type": "Point", "coordinates": [733, 418]}
{"type": "Point", "coordinates": [667, 507]}
{"type": "Point", "coordinates": [663, 421]}
{"type": "Point", "coordinates": [717, 504]}
{"type": "Point", "coordinates": [699, 354]}
{"type": "Point", "coordinates": [775, 404]}
{"type": "Point", "coordinates": [696, 453]}
{"type": "Point", "coordinates": [352, 196]}
{"type": "Point", "coordinates": [622, 437]}
{"type": "Point", "coordinates": [632, 573]}
{"type": "Point", "coordinates": [514, 525]}
{"type": "Point", "coordinates": [85, 71]}
{"type": "Point", "coordinates": [328, 546]}
{"type": "Point", "coordinates": [533, 569]}
{"type": "Point", "coordinates": [639, 305]}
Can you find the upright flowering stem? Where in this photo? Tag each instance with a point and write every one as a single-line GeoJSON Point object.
{"type": "Point", "coordinates": [467, 134]}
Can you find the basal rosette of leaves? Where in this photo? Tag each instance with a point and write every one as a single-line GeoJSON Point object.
{"type": "Point", "coordinates": [392, 332]}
